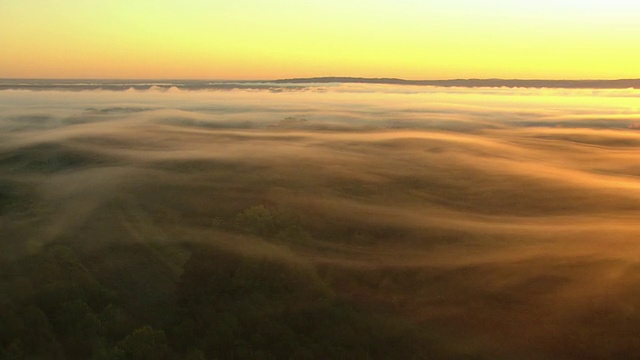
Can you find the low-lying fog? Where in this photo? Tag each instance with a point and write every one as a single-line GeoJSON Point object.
{"type": "Point", "coordinates": [504, 220]}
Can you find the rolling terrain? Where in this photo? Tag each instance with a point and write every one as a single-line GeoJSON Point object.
{"type": "Point", "coordinates": [351, 221]}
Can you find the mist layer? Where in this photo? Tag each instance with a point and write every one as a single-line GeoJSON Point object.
{"type": "Point", "coordinates": [502, 220]}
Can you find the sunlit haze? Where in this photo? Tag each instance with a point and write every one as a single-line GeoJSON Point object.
{"type": "Point", "coordinates": [332, 220]}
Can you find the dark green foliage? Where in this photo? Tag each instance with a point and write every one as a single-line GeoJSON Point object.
{"type": "Point", "coordinates": [54, 308]}
{"type": "Point", "coordinates": [78, 327]}
{"type": "Point", "coordinates": [15, 351]}
{"type": "Point", "coordinates": [49, 158]}
{"type": "Point", "coordinates": [262, 221]}
{"type": "Point", "coordinates": [14, 197]}
{"type": "Point", "coordinates": [116, 321]}
{"type": "Point", "coordinates": [27, 332]}
{"type": "Point", "coordinates": [145, 343]}
{"type": "Point", "coordinates": [226, 306]}
{"type": "Point", "coordinates": [238, 307]}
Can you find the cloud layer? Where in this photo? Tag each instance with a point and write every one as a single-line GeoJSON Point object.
{"type": "Point", "coordinates": [480, 212]}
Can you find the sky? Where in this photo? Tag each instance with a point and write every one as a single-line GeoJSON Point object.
{"type": "Point", "coordinates": [260, 39]}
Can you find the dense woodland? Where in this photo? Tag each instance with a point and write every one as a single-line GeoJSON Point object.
{"type": "Point", "coordinates": [123, 302]}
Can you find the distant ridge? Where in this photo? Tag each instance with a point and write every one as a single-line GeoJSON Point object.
{"type": "Point", "coordinates": [512, 83]}
{"type": "Point", "coordinates": [300, 83]}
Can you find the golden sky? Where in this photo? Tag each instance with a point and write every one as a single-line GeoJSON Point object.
{"type": "Point", "coordinates": [267, 39]}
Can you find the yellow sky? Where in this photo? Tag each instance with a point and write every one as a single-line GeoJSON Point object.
{"type": "Point", "coordinates": [261, 39]}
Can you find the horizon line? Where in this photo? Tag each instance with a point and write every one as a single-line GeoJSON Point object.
{"type": "Point", "coordinates": [348, 78]}
{"type": "Point", "coordinates": [203, 84]}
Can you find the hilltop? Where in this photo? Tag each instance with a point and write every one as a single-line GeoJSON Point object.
{"type": "Point", "coordinates": [513, 83]}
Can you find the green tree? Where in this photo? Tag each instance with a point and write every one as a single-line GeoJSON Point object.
{"type": "Point", "coordinates": [145, 343]}
{"type": "Point", "coordinates": [257, 220]}
{"type": "Point", "coordinates": [15, 351]}
{"type": "Point", "coordinates": [262, 221]}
